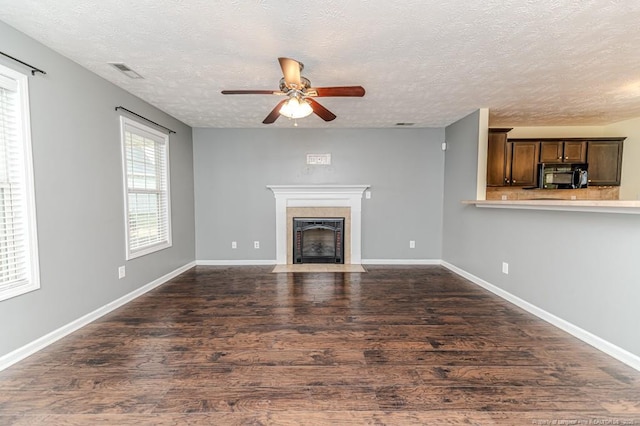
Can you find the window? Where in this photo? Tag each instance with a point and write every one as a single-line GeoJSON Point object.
{"type": "Point", "coordinates": [145, 154]}
{"type": "Point", "coordinates": [18, 242]}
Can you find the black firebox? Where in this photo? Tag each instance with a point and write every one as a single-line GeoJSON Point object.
{"type": "Point", "coordinates": [318, 240]}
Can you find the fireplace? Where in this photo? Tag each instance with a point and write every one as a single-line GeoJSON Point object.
{"type": "Point", "coordinates": [318, 240]}
{"type": "Point", "coordinates": [318, 201]}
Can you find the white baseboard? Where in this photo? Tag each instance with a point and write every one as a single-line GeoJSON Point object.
{"type": "Point", "coordinates": [44, 341]}
{"type": "Point", "coordinates": [587, 337]}
{"type": "Point", "coordinates": [235, 262]}
{"type": "Point", "coordinates": [363, 262]}
{"type": "Point", "coordinates": [401, 262]}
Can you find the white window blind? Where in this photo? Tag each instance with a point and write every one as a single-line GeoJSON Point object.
{"type": "Point", "coordinates": [18, 242]}
{"type": "Point", "coordinates": [146, 180]}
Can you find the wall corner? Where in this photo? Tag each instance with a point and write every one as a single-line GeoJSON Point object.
{"type": "Point", "coordinates": [483, 135]}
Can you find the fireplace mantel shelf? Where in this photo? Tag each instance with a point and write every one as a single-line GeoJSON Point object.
{"type": "Point", "coordinates": [330, 195]}
{"type": "Point", "coordinates": [311, 190]}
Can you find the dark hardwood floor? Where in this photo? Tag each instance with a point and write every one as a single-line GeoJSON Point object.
{"type": "Point", "coordinates": [396, 345]}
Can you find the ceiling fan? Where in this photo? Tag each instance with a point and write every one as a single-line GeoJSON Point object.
{"type": "Point", "coordinates": [299, 94]}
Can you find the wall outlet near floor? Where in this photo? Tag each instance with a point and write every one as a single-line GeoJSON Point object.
{"type": "Point", "coordinates": [412, 244]}
{"type": "Point", "coordinates": [505, 268]}
{"type": "Point", "coordinates": [256, 244]}
{"type": "Point", "coordinates": [121, 272]}
{"type": "Point", "coordinates": [234, 244]}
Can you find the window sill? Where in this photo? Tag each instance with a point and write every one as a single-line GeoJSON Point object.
{"type": "Point", "coordinates": [591, 206]}
{"type": "Point", "coordinates": [147, 250]}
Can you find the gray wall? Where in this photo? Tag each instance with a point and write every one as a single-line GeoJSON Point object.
{"type": "Point", "coordinates": [581, 267]}
{"type": "Point", "coordinates": [233, 166]}
{"type": "Point", "coordinates": [79, 195]}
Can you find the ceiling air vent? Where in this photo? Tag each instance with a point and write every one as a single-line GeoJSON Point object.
{"type": "Point", "coordinates": [405, 124]}
{"type": "Point", "coordinates": [125, 70]}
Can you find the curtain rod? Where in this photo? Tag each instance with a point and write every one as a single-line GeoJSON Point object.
{"type": "Point", "coordinates": [145, 118]}
{"type": "Point", "coordinates": [34, 70]}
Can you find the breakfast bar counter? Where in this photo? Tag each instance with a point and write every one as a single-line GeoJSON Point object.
{"type": "Point", "coordinates": [593, 206]}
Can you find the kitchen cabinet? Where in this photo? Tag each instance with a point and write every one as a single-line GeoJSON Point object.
{"type": "Point", "coordinates": [605, 161]}
{"type": "Point", "coordinates": [523, 168]}
{"type": "Point", "coordinates": [496, 157]}
{"type": "Point", "coordinates": [514, 162]}
{"type": "Point", "coordinates": [557, 151]}
{"type": "Point", "coordinates": [511, 163]}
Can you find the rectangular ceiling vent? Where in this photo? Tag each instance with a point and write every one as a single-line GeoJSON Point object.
{"type": "Point", "coordinates": [125, 70]}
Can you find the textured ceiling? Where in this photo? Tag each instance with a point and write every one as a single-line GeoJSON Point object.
{"type": "Point", "coordinates": [531, 62]}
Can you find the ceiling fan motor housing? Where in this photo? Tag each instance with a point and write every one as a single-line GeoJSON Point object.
{"type": "Point", "coordinates": [304, 82]}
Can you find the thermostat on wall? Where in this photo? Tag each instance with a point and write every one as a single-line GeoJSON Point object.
{"type": "Point", "coordinates": [319, 159]}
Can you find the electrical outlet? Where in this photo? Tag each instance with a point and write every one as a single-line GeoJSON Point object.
{"type": "Point", "coordinates": [234, 245]}
{"type": "Point", "coordinates": [256, 244]}
{"type": "Point", "coordinates": [412, 244]}
{"type": "Point", "coordinates": [367, 194]}
{"type": "Point", "coordinates": [505, 268]}
{"type": "Point", "coordinates": [121, 272]}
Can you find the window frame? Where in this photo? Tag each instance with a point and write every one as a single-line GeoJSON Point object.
{"type": "Point", "coordinates": [161, 138]}
{"type": "Point", "coordinates": [31, 279]}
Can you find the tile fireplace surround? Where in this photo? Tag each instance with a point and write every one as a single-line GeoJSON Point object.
{"type": "Point", "coordinates": [323, 201]}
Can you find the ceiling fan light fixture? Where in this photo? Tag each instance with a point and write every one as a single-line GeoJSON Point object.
{"type": "Point", "coordinates": [296, 108]}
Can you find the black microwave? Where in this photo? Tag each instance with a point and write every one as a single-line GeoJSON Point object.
{"type": "Point", "coordinates": [562, 176]}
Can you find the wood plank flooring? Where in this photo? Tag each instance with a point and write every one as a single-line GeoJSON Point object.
{"type": "Point", "coordinates": [319, 267]}
{"type": "Point", "coordinates": [397, 345]}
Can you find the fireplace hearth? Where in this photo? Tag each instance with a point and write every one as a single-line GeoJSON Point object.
{"type": "Point", "coordinates": [318, 240]}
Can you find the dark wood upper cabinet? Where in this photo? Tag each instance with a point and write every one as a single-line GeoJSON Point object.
{"type": "Point", "coordinates": [551, 152]}
{"type": "Point", "coordinates": [496, 157]}
{"type": "Point", "coordinates": [605, 161]}
{"type": "Point", "coordinates": [575, 151]}
{"type": "Point", "coordinates": [558, 151]}
{"type": "Point", "coordinates": [524, 163]}
{"type": "Point", "coordinates": [511, 163]}
{"type": "Point", "coordinates": [514, 162]}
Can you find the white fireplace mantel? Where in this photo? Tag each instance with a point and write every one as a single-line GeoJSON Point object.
{"type": "Point", "coordinates": [318, 196]}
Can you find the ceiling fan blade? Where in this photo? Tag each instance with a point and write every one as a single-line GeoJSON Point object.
{"type": "Point", "coordinates": [338, 91]}
{"type": "Point", "coordinates": [291, 72]}
{"type": "Point", "coordinates": [321, 111]}
{"type": "Point", "coordinates": [252, 92]}
{"type": "Point", "coordinates": [275, 113]}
